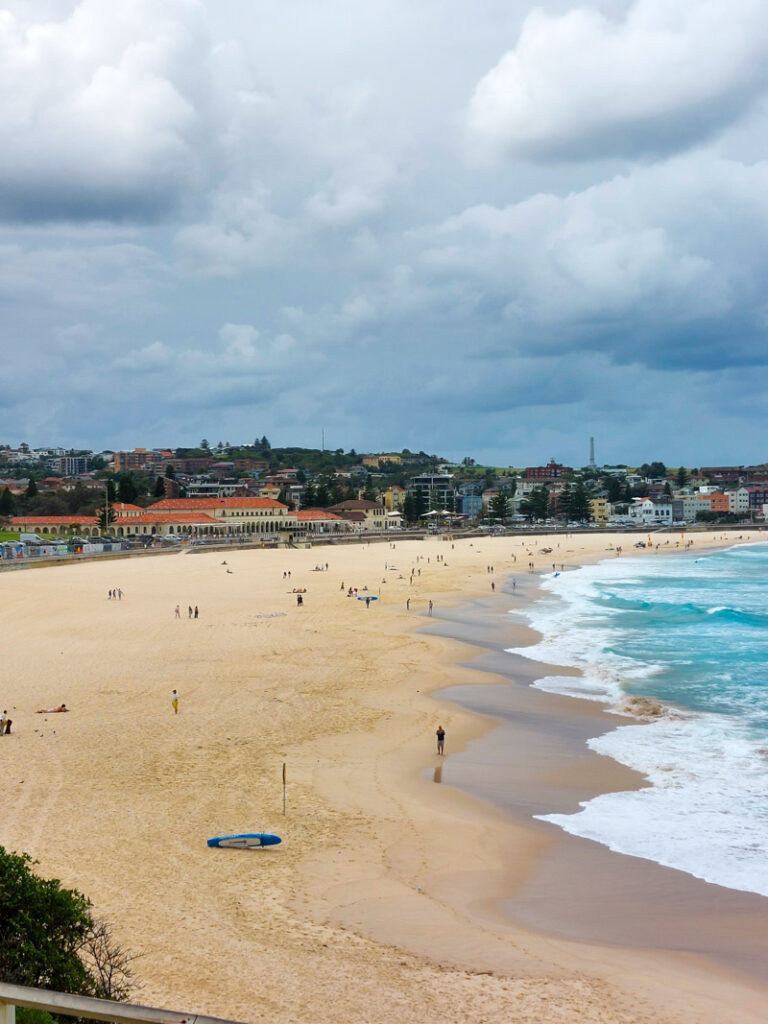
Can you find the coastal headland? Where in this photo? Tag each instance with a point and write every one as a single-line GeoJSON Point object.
{"type": "Point", "coordinates": [395, 894]}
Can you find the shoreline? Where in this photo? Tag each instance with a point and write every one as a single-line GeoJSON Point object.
{"type": "Point", "coordinates": [608, 897]}
{"type": "Point", "coordinates": [386, 895]}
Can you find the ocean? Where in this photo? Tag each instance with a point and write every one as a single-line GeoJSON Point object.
{"type": "Point", "coordinates": [684, 638]}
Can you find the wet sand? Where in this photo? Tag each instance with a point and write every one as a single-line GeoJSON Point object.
{"type": "Point", "coordinates": [387, 896]}
{"type": "Point", "coordinates": [537, 762]}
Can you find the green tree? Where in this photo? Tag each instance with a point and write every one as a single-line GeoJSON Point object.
{"type": "Point", "coordinates": [309, 496]}
{"type": "Point", "coordinates": [667, 489]}
{"type": "Point", "coordinates": [42, 928]}
{"type": "Point", "coordinates": [581, 510]}
{"type": "Point", "coordinates": [369, 494]}
{"type": "Point", "coordinates": [285, 500]}
{"type": "Point", "coordinates": [613, 488]}
{"type": "Point", "coordinates": [7, 503]}
{"type": "Point", "coordinates": [565, 502]}
{"type": "Point", "coordinates": [421, 505]}
{"type": "Point", "coordinates": [81, 500]}
{"type": "Point", "coordinates": [159, 491]}
{"type": "Point", "coordinates": [204, 444]}
{"type": "Point", "coordinates": [323, 497]}
{"type": "Point", "coordinates": [499, 505]}
{"type": "Point", "coordinates": [682, 477]}
{"type": "Point", "coordinates": [127, 490]}
{"type": "Point", "coordinates": [31, 491]}
{"type": "Point", "coordinates": [536, 504]}
{"type": "Point", "coordinates": [49, 939]}
{"type": "Point", "coordinates": [104, 516]}
{"type": "Point", "coordinates": [170, 472]}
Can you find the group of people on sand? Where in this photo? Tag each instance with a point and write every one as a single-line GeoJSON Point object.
{"type": "Point", "coordinates": [192, 613]}
{"type": "Point", "coordinates": [6, 722]}
{"type": "Point", "coordinates": [115, 595]}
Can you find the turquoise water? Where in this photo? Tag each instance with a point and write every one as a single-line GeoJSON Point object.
{"type": "Point", "coordinates": [690, 632]}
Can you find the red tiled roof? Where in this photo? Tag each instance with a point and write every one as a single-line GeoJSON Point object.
{"type": "Point", "coordinates": [189, 504]}
{"type": "Point", "coordinates": [357, 505]}
{"type": "Point", "coordinates": [314, 514]}
{"type": "Point", "coordinates": [178, 517]}
{"type": "Point", "coordinates": [54, 520]}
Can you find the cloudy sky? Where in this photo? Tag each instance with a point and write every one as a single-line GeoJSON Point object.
{"type": "Point", "coordinates": [489, 229]}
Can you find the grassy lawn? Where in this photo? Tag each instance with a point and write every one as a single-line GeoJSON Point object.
{"type": "Point", "coordinates": [9, 535]}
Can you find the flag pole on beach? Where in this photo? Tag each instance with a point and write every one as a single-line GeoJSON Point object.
{"type": "Point", "coordinates": [283, 788]}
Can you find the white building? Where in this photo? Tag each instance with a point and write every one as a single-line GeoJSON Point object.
{"type": "Point", "coordinates": [651, 511]}
{"type": "Point", "coordinates": [738, 501]}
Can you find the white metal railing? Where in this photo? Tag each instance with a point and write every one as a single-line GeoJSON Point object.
{"type": "Point", "coordinates": [12, 996]}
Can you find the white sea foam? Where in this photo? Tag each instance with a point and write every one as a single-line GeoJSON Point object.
{"type": "Point", "coordinates": [704, 810]}
{"type": "Point", "coordinates": [573, 635]}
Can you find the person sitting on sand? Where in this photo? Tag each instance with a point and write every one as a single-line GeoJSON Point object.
{"type": "Point", "coordinates": [52, 711]}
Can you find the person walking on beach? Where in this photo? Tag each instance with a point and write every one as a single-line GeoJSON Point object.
{"type": "Point", "coordinates": [430, 609]}
{"type": "Point", "coordinates": [195, 611]}
{"type": "Point", "coordinates": [175, 702]}
{"type": "Point", "coordinates": [4, 720]}
{"type": "Point", "coordinates": [190, 610]}
{"type": "Point", "coordinates": [440, 733]}
{"type": "Point", "coordinates": [177, 612]}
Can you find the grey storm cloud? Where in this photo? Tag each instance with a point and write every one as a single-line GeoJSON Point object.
{"type": "Point", "coordinates": [472, 228]}
{"type": "Point", "coordinates": [102, 117]}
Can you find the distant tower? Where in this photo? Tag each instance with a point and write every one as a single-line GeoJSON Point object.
{"type": "Point", "coordinates": [591, 453]}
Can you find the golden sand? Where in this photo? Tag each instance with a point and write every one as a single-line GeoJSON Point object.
{"type": "Point", "coordinates": [380, 903]}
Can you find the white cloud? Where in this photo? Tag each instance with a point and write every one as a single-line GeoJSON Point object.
{"type": "Point", "coordinates": [659, 247]}
{"type": "Point", "coordinates": [584, 85]}
{"type": "Point", "coordinates": [102, 109]}
{"type": "Point", "coordinates": [239, 233]}
{"type": "Point", "coordinates": [150, 358]}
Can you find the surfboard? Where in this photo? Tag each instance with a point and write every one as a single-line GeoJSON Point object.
{"type": "Point", "coordinates": [245, 840]}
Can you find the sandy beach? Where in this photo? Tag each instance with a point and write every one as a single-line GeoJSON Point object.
{"type": "Point", "coordinates": [391, 895]}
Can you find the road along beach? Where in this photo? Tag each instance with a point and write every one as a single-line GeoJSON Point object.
{"type": "Point", "coordinates": [389, 895]}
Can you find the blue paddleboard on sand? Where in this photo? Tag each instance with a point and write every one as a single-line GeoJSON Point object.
{"type": "Point", "coordinates": [245, 840]}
